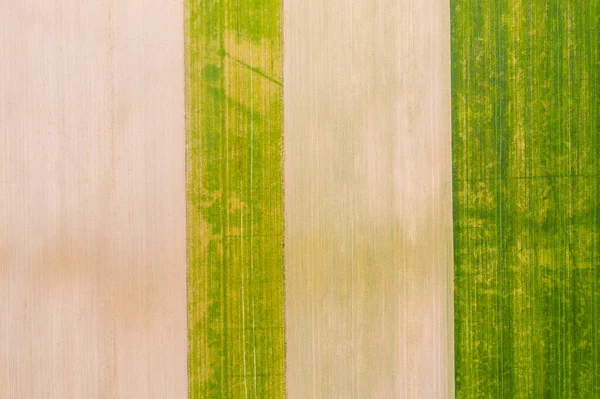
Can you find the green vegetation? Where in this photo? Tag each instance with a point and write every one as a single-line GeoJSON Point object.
{"type": "Point", "coordinates": [526, 176]}
{"type": "Point", "coordinates": [235, 221]}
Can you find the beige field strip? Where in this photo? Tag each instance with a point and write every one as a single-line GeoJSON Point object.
{"type": "Point", "coordinates": [92, 194]}
{"type": "Point", "coordinates": [368, 226]}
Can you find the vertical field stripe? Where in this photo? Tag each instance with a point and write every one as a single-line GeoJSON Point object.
{"type": "Point", "coordinates": [368, 199]}
{"type": "Point", "coordinates": [234, 208]}
{"type": "Point", "coordinates": [92, 200]}
{"type": "Point", "coordinates": [526, 177]}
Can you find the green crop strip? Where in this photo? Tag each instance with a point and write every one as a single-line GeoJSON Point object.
{"type": "Point", "coordinates": [526, 180]}
{"type": "Point", "coordinates": [234, 199]}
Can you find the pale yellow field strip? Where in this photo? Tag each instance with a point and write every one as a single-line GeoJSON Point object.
{"type": "Point", "coordinates": [92, 199]}
{"type": "Point", "coordinates": [368, 199]}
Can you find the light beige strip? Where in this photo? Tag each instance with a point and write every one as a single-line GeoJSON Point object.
{"type": "Point", "coordinates": [368, 228]}
{"type": "Point", "coordinates": [92, 199]}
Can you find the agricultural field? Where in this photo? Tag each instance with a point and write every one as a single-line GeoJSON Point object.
{"type": "Point", "coordinates": [526, 187]}
{"type": "Point", "coordinates": [235, 222]}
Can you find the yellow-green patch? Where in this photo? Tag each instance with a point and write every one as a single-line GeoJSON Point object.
{"type": "Point", "coordinates": [526, 164]}
{"type": "Point", "coordinates": [234, 199]}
